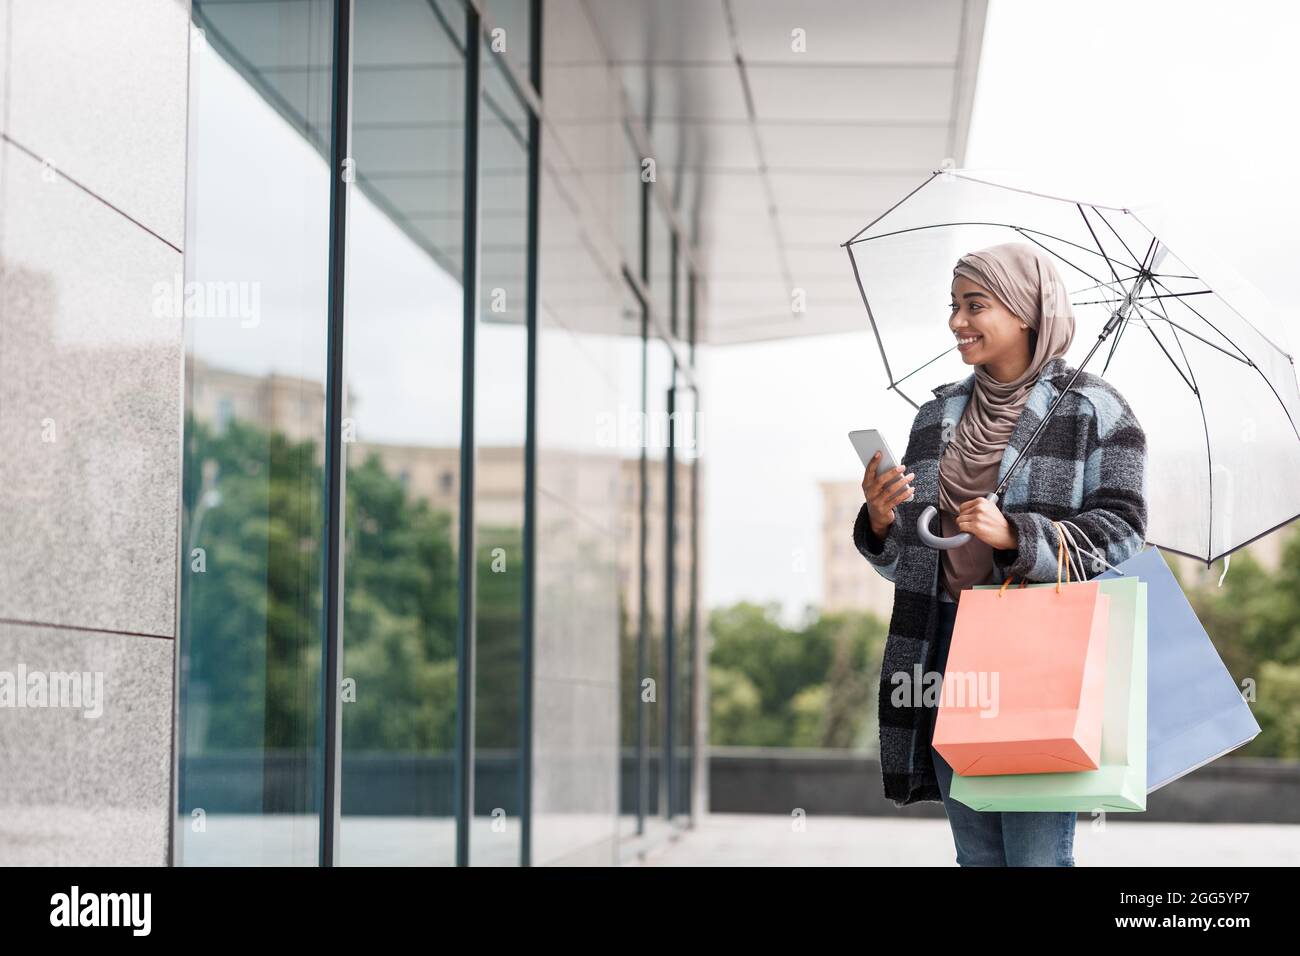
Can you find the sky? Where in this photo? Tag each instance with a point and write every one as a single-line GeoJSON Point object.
{"type": "Point", "coordinates": [1186, 109]}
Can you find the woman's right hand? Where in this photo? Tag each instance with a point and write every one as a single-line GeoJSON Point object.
{"type": "Point", "coordinates": [883, 491]}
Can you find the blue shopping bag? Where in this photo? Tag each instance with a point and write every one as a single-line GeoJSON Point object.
{"type": "Point", "coordinates": [1195, 712]}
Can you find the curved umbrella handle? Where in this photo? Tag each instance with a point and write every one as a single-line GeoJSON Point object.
{"type": "Point", "coordinates": [933, 540]}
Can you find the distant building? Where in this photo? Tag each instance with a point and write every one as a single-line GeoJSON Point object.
{"type": "Point", "coordinates": [849, 581]}
{"type": "Point", "coordinates": [293, 406]}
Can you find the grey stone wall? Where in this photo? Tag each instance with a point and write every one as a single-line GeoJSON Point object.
{"type": "Point", "coordinates": [92, 216]}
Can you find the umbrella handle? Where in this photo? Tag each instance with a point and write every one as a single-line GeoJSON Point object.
{"type": "Point", "coordinates": [935, 541]}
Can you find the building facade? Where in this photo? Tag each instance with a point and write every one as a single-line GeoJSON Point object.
{"type": "Point", "coordinates": [848, 582]}
{"type": "Point", "coordinates": [356, 436]}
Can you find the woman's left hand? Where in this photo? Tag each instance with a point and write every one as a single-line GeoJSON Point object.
{"type": "Point", "coordinates": [982, 518]}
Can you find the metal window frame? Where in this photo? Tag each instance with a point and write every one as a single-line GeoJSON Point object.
{"type": "Point", "coordinates": [669, 776]}
{"type": "Point", "coordinates": [526, 665]}
{"type": "Point", "coordinates": [643, 569]}
{"type": "Point", "coordinates": [463, 802]}
{"type": "Point", "coordinates": [330, 733]}
{"type": "Point", "coordinates": [697, 761]}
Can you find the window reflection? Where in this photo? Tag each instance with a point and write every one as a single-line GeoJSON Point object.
{"type": "Point", "coordinates": [658, 378]}
{"type": "Point", "coordinates": [500, 404]}
{"type": "Point", "coordinates": [404, 344]}
{"type": "Point", "coordinates": [631, 354]}
{"type": "Point", "coordinates": [685, 452]}
{"type": "Point", "coordinates": [250, 625]}
{"type": "Point", "coordinates": [253, 475]}
{"type": "Point", "coordinates": [661, 257]}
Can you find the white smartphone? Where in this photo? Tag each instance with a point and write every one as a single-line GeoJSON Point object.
{"type": "Point", "coordinates": [867, 442]}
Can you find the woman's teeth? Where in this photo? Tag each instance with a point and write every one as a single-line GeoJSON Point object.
{"type": "Point", "coordinates": [968, 340]}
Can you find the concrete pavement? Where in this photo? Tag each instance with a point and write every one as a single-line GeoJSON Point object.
{"type": "Point", "coordinates": [763, 840]}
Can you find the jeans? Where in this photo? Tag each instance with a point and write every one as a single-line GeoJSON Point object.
{"type": "Point", "coordinates": [991, 838]}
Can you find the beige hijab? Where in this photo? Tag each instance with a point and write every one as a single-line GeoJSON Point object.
{"type": "Point", "coordinates": [1024, 279]}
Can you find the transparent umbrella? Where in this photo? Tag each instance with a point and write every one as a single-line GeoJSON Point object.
{"type": "Point", "coordinates": [1214, 388]}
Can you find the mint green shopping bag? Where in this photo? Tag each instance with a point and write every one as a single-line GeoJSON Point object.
{"type": "Point", "coordinates": [1120, 783]}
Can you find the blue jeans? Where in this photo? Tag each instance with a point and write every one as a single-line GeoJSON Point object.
{"type": "Point", "coordinates": [990, 838]}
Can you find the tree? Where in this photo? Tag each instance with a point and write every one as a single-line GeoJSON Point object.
{"type": "Point", "coordinates": [252, 611]}
{"type": "Point", "coordinates": [807, 686]}
{"type": "Point", "coordinates": [1254, 623]}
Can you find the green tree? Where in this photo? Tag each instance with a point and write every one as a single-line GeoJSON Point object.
{"type": "Point", "coordinates": [1254, 623]}
{"type": "Point", "coordinates": [250, 588]}
{"type": "Point", "coordinates": [807, 686]}
{"type": "Point", "coordinates": [252, 612]}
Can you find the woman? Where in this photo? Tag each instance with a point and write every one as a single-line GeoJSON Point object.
{"type": "Point", "coordinates": [1012, 320]}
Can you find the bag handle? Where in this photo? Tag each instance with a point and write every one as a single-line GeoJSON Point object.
{"type": "Point", "coordinates": [1092, 552]}
{"type": "Point", "coordinates": [1068, 561]}
{"type": "Point", "coordinates": [1010, 578]}
{"type": "Point", "coordinates": [1062, 554]}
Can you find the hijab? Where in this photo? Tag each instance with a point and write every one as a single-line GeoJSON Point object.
{"type": "Point", "coordinates": [1024, 280]}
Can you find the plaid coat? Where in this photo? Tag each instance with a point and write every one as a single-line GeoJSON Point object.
{"type": "Point", "coordinates": [1089, 465]}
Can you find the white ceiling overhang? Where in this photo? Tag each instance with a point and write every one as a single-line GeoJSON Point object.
{"type": "Point", "coordinates": [780, 154]}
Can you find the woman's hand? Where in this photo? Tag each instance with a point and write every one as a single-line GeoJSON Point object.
{"type": "Point", "coordinates": [883, 491]}
{"type": "Point", "coordinates": [982, 518]}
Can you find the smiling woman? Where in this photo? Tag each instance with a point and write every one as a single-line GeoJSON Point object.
{"type": "Point", "coordinates": [1003, 297]}
{"type": "Point", "coordinates": [1013, 321]}
{"type": "Point", "coordinates": [986, 330]}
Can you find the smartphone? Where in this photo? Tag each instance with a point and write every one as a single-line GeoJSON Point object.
{"type": "Point", "coordinates": [868, 441]}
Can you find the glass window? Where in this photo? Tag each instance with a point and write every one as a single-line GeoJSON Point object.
{"type": "Point", "coordinates": [500, 404]}
{"type": "Point", "coordinates": [257, 260]}
{"type": "Point", "coordinates": [658, 382]}
{"type": "Point", "coordinates": [631, 372]}
{"type": "Point", "coordinates": [682, 299]}
{"type": "Point", "coordinates": [685, 452]}
{"type": "Point", "coordinates": [404, 346]}
{"type": "Point", "coordinates": [633, 190]}
{"type": "Point", "coordinates": [512, 31]}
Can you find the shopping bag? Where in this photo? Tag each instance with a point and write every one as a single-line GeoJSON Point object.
{"type": "Point", "coordinates": [1120, 782]}
{"type": "Point", "coordinates": [1195, 713]}
{"type": "Point", "coordinates": [1024, 684]}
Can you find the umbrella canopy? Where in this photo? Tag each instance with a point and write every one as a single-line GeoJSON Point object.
{"type": "Point", "coordinates": [1214, 389]}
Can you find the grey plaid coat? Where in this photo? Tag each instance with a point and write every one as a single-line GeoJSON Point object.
{"type": "Point", "coordinates": [1089, 465]}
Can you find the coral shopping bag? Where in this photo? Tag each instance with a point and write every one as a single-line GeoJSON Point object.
{"type": "Point", "coordinates": [1024, 684]}
{"type": "Point", "coordinates": [1195, 712]}
{"type": "Point", "coordinates": [1120, 783]}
